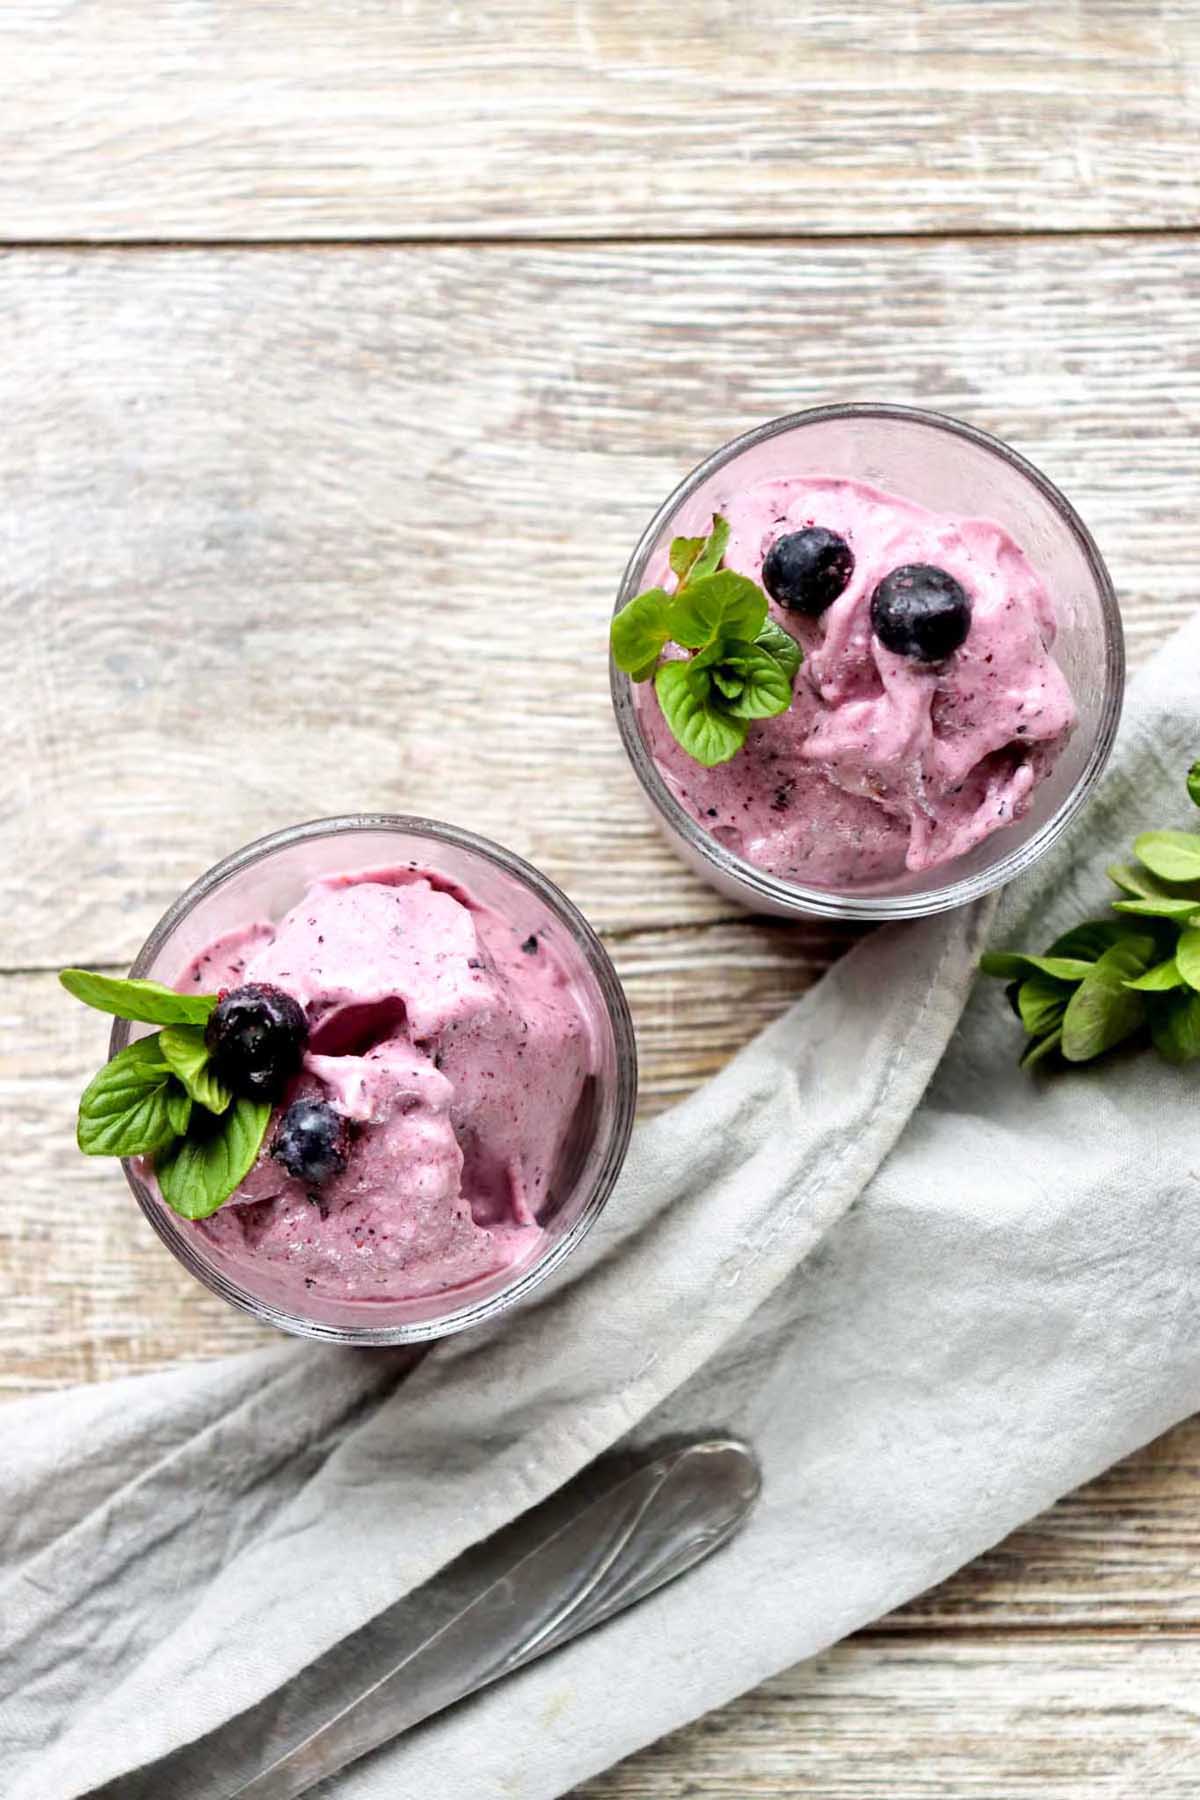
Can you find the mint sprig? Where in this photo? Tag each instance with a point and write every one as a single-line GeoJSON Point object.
{"type": "Point", "coordinates": [1114, 981]}
{"type": "Point", "coordinates": [160, 1098]}
{"type": "Point", "coordinates": [742, 664]}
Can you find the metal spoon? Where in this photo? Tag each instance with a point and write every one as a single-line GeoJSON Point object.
{"type": "Point", "coordinates": [645, 1531]}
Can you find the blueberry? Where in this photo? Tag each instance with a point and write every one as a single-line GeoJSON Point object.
{"type": "Point", "coordinates": [311, 1141]}
{"type": "Point", "coordinates": [921, 611]}
{"type": "Point", "coordinates": [807, 570]}
{"type": "Point", "coordinates": [256, 1036]}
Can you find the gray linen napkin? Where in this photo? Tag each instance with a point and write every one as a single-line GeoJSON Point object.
{"type": "Point", "coordinates": [933, 1292]}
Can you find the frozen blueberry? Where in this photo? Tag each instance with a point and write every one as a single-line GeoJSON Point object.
{"type": "Point", "coordinates": [311, 1142]}
{"type": "Point", "coordinates": [920, 611]}
{"type": "Point", "coordinates": [807, 570]}
{"type": "Point", "coordinates": [256, 1036]}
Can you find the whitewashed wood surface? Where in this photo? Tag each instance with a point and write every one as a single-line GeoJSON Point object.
{"type": "Point", "coordinates": [242, 489]}
{"type": "Point", "coordinates": [228, 119]}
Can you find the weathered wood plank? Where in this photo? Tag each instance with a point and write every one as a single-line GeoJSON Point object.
{"type": "Point", "coordinates": [601, 118]}
{"type": "Point", "coordinates": [1060, 1717]}
{"type": "Point", "coordinates": [291, 533]}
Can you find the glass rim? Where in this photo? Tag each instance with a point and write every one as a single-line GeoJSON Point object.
{"type": "Point", "coordinates": [828, 903]}
{"type": "Point", "coordinates": [616, 1009]}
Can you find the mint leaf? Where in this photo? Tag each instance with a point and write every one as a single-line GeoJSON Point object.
{"type": "Point", "coordinates": [782, 646]}
{"type": "Point", "coordinates": [1164, 907]}
{"type": "Point", "coordinates": [179, 1107]}
{"type": "Point", "coordinates": [1175, 1027]}
{"type": "Point", "coordinates": [1175, 855]}
{"type": "Point", "coordinates": [1042, 1003]}
{"type": "Point", "coordinates": [730, 686]}
{"type": "Point", "coordinates": [1089, 941]}
{"type": "Point", "coordinates": [640, 633]}
{"type": "Point", "coordinates": [1102, 1010]}
{"type": "Point", "coordinates": [1193, 784]}
{"type": "Point", "coordinates": [1040, 1048]}
{"type": "Point", "coordinates": [1187, 956]}
{"type": "Point", "coordinates": [186, 1055]}
{"type": "Point", "coordinates": [124, 1110]}
{"type": "Point", "coordinates": [197, 1173]}
{"type": "Point", "coordinates": [716, 544]}
{"type": "Point", "coordinates": [717, 606]}
{"type": "Point", "coordinates": [765, 690]}
{"type": "Point", "coordinates": [684, 554]}
{"type": "Point", "coordinates": [1140, 884]}
{"type": "Point", "coordinates": [1011, 965]}
{"type": "Point", "coordinates": [1159, 980]}
{"type": "Point", "coordinates": [694, 558]}
{"type": "Point", "coordinates": [149, 1002]}
{"type": "Point", "coordinates": [702, 728]}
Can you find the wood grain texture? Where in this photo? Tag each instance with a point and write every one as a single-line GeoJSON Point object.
{"type": "Point", "coordinates": [293, 533]}
{"type": "Point", "coordinates": [602, 117]}
{"type": "Point", "coordinates": [1066, 1717]}
{"type": "Point", "coordinates": [238, 487]}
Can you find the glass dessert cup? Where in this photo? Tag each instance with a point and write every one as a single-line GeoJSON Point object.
{"type": "Point", "coordinates": [265, 879]}
{"type": "Point", "coordinates": [951, 468]}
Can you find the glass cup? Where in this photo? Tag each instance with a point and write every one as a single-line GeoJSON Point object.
{"type": "Point", "coordinates": [948, 467]}
{"type": "Point", "coordinates": [263, 881]}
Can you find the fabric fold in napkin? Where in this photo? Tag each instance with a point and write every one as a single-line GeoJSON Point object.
{"type": "Point", "coordinates": [933, 1292]}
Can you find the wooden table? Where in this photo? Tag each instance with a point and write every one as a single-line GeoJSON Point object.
{"type": "Point", "coordinates": [347, 350]}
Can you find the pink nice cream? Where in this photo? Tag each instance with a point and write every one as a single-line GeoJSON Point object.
{"type": "Point", "coordinates": [450, 1043]}
{"type": "Point", "coordinates": [884, 762]}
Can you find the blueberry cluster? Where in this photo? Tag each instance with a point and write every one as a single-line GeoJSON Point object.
{"type": "Point", "coordinates": [256, 1036]}
{"type": "Point", "coordinates": [917, 610]}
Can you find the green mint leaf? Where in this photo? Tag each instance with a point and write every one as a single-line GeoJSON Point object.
{"type": "Point", "coordinates": [717, 606]}
{"type": "Point", "coordinates": [729, 685]}
{"type": "Point", "coordinates": [1187, 956]}
{"type": "Point", "coordinates": [148, 1002]}
{"type": "Point", "coordinates": [197, 1173]}
{"type": "Point", "coordinates": [1164, 907]}
{"type": "Point", "coordinates": [1102, 1010]}
{"type": "Point", "coordinates": [640, 632]}
{"type": "Point", "coordinates": [1175, 1027]}
{"type": "Point", "coordinates": [1159, 980]}
{"type": "Point", "coordinates": [684, 555]}
{"type": "Point", "coordinates": [765, 690]}
{"type": "Point", "coordinates": [1089, 941]}
{"type": "Point", "coordinates": [124, 1110]}
{"type": "Point", "coordinates": [696, 722]}
{"type": "Point", "coordinates": [782, 646]}
{"type": "Point", "coordinates": [1140, 884]}
{"type": "Point", "coordinates": [715, 546]}
{"type": "Point", "coordinates": [694, 558]}
{"type": "Point", "coordinates": [1042, 1003]}
{"type": "Point", "coordinates": [186, 1055]}
{"type": "Point", "coordinates": [179, 1107]}
{"type": "Point", "coordinates": [1174, 855]}
{"type": "Point", "coordinates": [1193, 784]}
{"type": "Point", "coordinates": [1010, 965]}
{"type": "Point", "coordinates": [1040, 1048]}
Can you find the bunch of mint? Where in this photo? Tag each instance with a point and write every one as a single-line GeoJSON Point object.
{"type": "Point", "coordinates": [1112, 980]}
{"type": "Point", "coordinates": [742, 665]}
{"type": "Point", "coordinates": [159, 1097]}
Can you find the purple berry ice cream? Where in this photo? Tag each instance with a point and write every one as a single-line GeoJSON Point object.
{"type": "Point", "coordinates": [445, 1058]}
{"type": "Point", "coordinates": [928, 707]}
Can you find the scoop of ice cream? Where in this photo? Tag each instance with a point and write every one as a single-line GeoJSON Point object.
{"type": "Point", "coordinates": [883, 762]}
{"type": "Point", "coordinates": [451, 1043]}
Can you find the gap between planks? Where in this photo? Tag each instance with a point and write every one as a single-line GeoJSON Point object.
{"type": "Point", "coordinates": [600, 241]}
